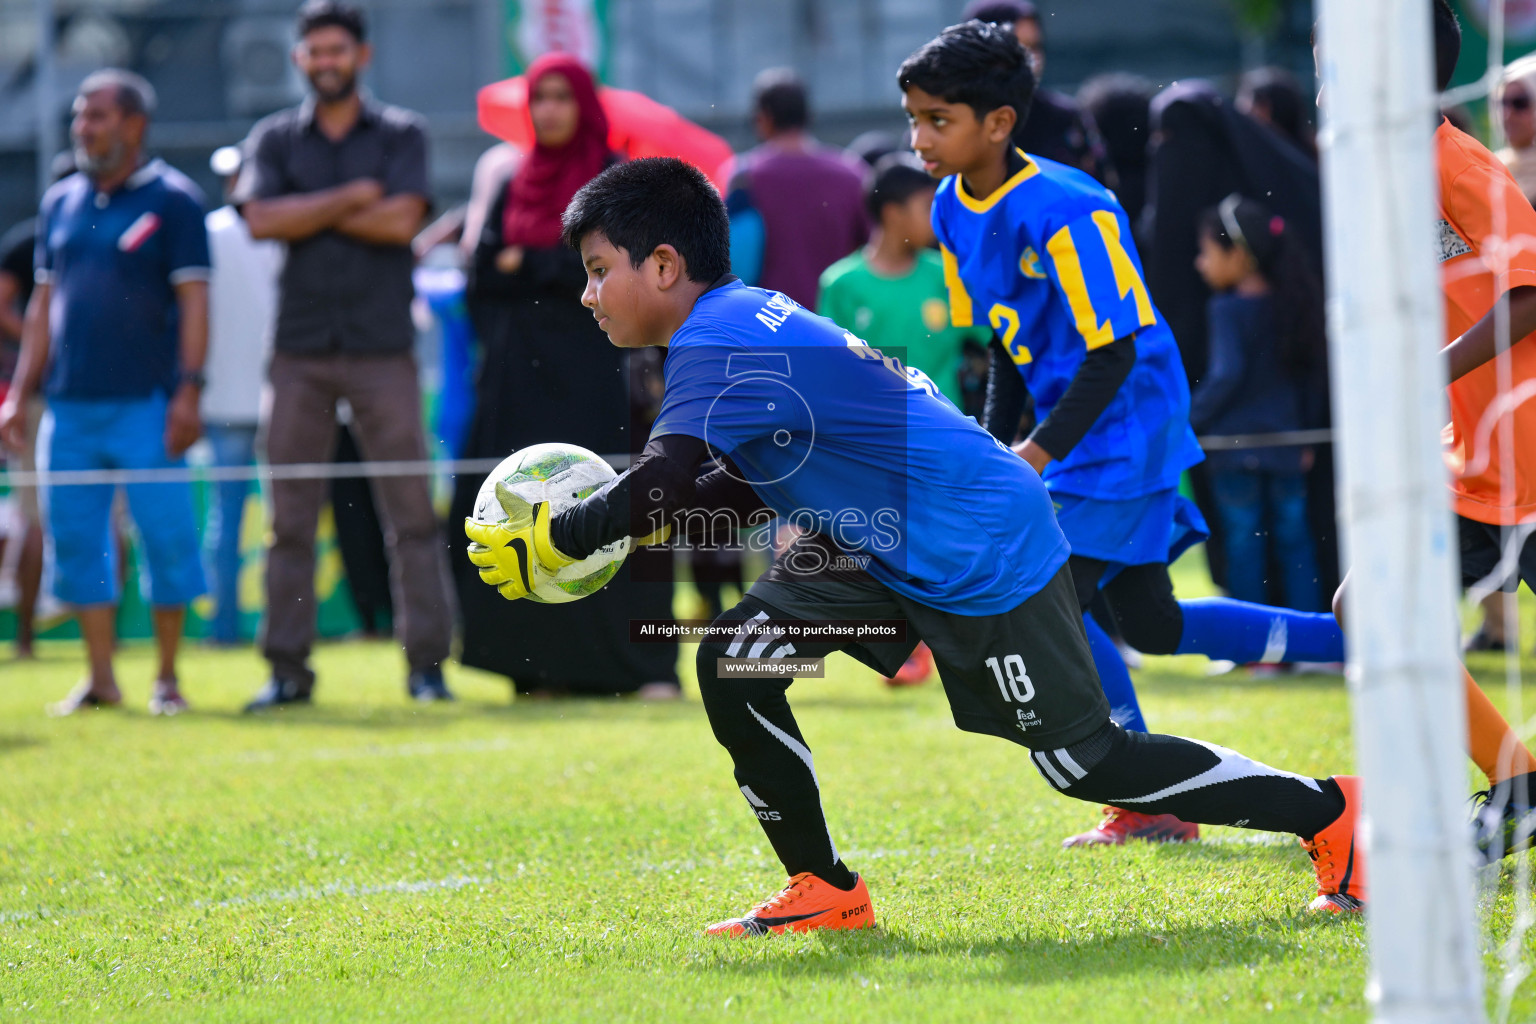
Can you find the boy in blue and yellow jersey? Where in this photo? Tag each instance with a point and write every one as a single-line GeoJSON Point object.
{"type": "Point", "coordinates": [1043, 254]}
{"type": "Point", "coordinates": [911, 515]}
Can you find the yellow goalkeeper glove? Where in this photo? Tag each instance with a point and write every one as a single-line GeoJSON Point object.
{"type": "Point", "coordinates": [515, 556]}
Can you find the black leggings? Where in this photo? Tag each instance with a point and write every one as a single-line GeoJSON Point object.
{"type": "Point", "coordinates": [1197, 781]}
{"type": "Point", "coordinates": [1141, 599]}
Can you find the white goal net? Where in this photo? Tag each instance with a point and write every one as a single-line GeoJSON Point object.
{"type": "Point", "coordinates": [1385, 319]}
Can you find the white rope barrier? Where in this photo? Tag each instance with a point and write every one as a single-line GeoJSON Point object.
{"type": "Point", "coordinates": [1280, 439]}
{"type": "Point", "coordinates": [289, 471]}
{"type": "Point", "coordinates": [456, 467]}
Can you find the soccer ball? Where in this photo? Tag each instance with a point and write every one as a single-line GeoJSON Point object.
{"type": "Point", "coordinates": [561, 474]}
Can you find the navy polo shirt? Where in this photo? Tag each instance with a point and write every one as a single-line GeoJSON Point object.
{"type": "Point", "coordinates": [112, 260]}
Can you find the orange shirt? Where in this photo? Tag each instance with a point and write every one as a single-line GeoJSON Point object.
{"type": "Point", "coordinates": [1476, 268]}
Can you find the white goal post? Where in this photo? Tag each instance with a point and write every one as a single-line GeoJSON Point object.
{"type": "Point", "coordinates": [1385, 327]}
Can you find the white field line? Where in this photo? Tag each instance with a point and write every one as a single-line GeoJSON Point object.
{"type": "Point", "coordinates": [44, 913]}
{"type": "Point", "coordinates": [324, 892]}
{"type": "Point", "coordinates": [452, 883]}
{"type": "Point", "coordinates": [296, 894]}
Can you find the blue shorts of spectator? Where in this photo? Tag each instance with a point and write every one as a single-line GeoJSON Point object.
{"type": "Point", "coordinates": [115, 434]}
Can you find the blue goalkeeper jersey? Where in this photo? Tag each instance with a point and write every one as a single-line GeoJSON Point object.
{"type": "Point", "coordinates": [839, 438]}
{"type": "Point", "coordinates": [1049, 262]}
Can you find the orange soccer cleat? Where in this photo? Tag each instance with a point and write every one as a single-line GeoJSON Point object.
{"type": "Point", "coordinates": [1337, 858]}
{"type": "Point", "coordinates": [805, 903]}
{"type": "Point", "coordinates": [1120, 824]}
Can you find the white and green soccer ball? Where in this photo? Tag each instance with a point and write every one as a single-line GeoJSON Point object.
{"type": "Point", "coordinates": [561, 474]}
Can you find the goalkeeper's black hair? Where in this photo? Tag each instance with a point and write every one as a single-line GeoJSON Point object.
{"type": "Point", "coordinates": [644, 204]}
{"type": "Point", "coordinates": [976, 63]}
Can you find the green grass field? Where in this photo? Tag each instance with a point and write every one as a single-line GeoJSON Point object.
{"type": "Point", "coordinates": [365, 859]}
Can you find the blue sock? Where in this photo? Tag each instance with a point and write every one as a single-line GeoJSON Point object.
{"type": "Point", "coordinates": [1227, 630]}
{"type": "Point", "coordinates": [1115, 678]}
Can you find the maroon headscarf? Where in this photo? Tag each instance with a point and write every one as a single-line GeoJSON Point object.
{"type": "Point", "coordinates": [550, 176]}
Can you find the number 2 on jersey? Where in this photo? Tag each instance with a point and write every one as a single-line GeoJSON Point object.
{"type": "Point", "coordinates": [1006, 319]}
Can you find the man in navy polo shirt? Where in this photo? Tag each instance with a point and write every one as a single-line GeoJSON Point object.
{"type": "Point", "coordinates": [119, 323]}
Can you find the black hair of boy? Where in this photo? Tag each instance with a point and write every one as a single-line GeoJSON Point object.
{"type": "Point", "coordinates": [644, 204]}
{"type": "Point", "coordinates": [976, 63]}
{"type": "Point", "coordinates": [779, 95]}
{"type": "Point", "coordinates": [328, 13]}
{"type": "Point", "coordinates": [1447, 44]}
{"type": "Point", "coordinates": [896, 179]}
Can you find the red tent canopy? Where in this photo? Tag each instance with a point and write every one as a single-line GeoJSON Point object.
{"type": "Point", "coordinates": [638, 126]}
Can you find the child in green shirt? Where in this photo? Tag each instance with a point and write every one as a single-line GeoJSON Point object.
{"type": "Point", "coordinates": [891, 293]}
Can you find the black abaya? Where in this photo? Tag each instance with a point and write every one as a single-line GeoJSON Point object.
{"type": "Point", "coordinates": [1206, 151]}
{"type": "Point", "coordinates": [548, 374]}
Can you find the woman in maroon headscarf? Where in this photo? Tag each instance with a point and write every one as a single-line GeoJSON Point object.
{"type": "Point", "coordinates": [548, 374]}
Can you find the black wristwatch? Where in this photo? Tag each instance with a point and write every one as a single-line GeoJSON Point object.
{"type": "Point", "coordinates": [197, 378]}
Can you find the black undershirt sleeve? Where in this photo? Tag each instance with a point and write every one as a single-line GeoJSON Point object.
{"type": "Point", "coordinates": [721, 490]}
{"type": "Point", "coordinates": [658, 483]}
{"type": "Point", "coordinates": [1007, 395]}
{"type": "Point", "coordinates": [662, 482]}
{"type": "Point", "coordinates": [1092, 389]}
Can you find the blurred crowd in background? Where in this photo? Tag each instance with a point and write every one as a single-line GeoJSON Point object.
{"type": "Point", "coordinates": [312, 350]}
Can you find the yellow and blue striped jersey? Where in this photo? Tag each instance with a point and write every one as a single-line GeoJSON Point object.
{"type": "Point", "coordinates": [1048, 261]}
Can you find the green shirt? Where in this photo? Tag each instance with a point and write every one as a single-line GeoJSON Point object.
{"type": "Point", "coordinates": [907, 314]}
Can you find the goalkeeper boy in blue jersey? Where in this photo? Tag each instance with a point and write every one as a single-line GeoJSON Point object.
{"type": "Point", "coordinates": [912, 514]}
{"type": "Point", "coordinates": [1044, 255]}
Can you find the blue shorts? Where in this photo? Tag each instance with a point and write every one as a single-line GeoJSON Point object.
{"type": "Point", "coordinates": [1155, 529]}
{"type": "Point", "coordinates": [116, 434]}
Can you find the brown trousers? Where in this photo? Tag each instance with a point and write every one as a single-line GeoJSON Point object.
{"type": "Point", "coordinates": [298, 424]}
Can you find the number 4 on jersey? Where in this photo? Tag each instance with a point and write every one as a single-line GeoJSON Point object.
{"type": "Point", "coordinates": [917, 378]}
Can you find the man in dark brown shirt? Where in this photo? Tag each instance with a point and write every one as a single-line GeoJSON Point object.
{"type": "Point", "coordinates": [342, 180]}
